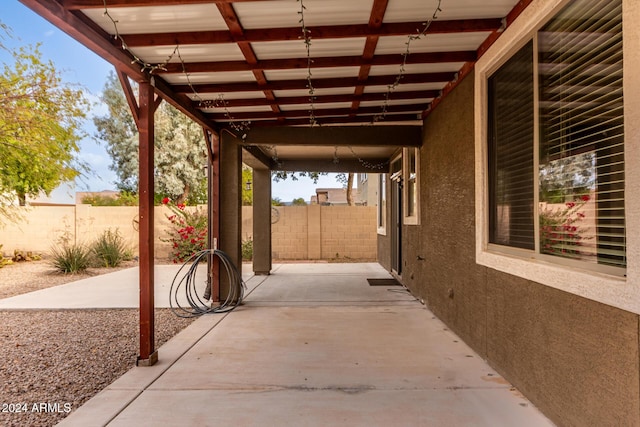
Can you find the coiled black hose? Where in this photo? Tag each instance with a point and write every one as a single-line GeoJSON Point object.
{"type": "Point", "coordinates": [187, 284]}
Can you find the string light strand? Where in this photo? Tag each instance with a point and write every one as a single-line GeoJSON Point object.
{"type": "Point", "coordinates": [220, 102]}
{"type": "Point", "coordinates": [405, 58]}
{"type": "Point", "coordinates": [306, 36]}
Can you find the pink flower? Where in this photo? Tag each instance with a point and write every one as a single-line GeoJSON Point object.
{"type": "Point", "coordinates": [570, 204]}
{"type": "Point", "coordinates": [181, 206]}
{"type": "Point", "coordinates": [166, 200]}
{"type": "Point", "coordinates": [585, 198]}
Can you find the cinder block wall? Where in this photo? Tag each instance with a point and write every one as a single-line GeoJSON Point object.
{"type": "Point", "coordinates": [325, 232]}
{"type": "Point", "coordinates": [348, 232]}
{"type": "Point", "coordinates": [298, 232]}
{"type": "Point", "coordinates": [289, 233]}
{"type": "Point", "coordinates": [40, 227]}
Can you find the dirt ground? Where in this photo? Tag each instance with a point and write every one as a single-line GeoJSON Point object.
{"type": "Point", "coordinates": [56, 360]}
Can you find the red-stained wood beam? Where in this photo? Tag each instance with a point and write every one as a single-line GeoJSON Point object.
{"type": "Point", "coordinates": [231, 19]}
{"type": "Point", "coordinates": [376, 17]}
{"type": "Point", "coordinates": [148, 355]}
{"type": "Point", "coordinates": [469, 66]}
{"type": "Point", "coordinates": [319, 32]}
{"type": "Point", "coordinates": [99, 4]}
{"type": "Point", "coordinates": [320, 112]}
{"type": "Point", "coordinates": [129, 95]}
{"type": "Point", "coordinates": [213, 149]}
{"type": "Point", "coordinates": [317, 83]}
{"type": "Point", "coordinates": [390, 118]}
{"type": "Point", "coordinates": [76, 28]}
{"type": "Point", "coordinates": [323, 62]}
{"type": "Point", "coordinates": [100, 43]}
{"type": "Point", "coordinates": [324, 99]}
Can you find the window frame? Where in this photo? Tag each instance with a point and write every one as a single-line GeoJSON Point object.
{"type": "Point", "coordinates": [410, 218]}
{"type": "Point", "coordinates": [564, 274]}
{"type": "Point", "coordinates": [382, 205]}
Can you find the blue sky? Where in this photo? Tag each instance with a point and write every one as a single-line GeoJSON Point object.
{"type": "Point", "coordinates": [80, 66]}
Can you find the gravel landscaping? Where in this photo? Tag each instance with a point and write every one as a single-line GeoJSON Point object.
{"type": "Point", "coordinates": [55, 360]}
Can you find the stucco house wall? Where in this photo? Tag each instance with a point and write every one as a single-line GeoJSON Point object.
{"type": "Point", "coordinates": [576, 359]}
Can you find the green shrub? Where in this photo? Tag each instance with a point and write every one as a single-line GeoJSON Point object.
{"type": "Point", "coordinates": [247, 250]}
{"type": "Point", "coordinates": [110, 250]}
{"type": "Point", "coordinates": [122, 199]}
{"type": "Point", "coordinates": [69, 258]}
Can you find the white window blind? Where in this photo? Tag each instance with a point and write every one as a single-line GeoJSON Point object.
{"type": "Point", "coordinates": [581, 175]}
{"type": "Point", "coordinates": [579, 150]}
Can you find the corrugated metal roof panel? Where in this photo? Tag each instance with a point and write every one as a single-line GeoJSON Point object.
{"type": "Point", "coordinates": [417, 10]}
{"type": "Point", "coordinates": [319, 48]}
{"type": "Point", "coordinates": [158, 19]}
{"type": "Point", "coordinates": [285, 13]}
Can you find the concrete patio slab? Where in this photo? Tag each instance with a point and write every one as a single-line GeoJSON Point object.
{"type": "Point", "coordinates": [321, 408]}
{"type": "Point", "coordinates": [314, 349]}
{"type": "Point", "coordinates": [112, 290]}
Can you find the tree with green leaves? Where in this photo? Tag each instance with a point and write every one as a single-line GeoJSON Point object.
{"type": "Point", "coordinates": [180, 153]}
{"type": "Point", "coordinates": [40, 126]}
{"type": "Point", "coordinates": [298, 202]}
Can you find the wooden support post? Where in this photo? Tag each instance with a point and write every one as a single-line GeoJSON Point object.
{"type": "Point", "coordinates": [230, 205]}
{"type": "Point", "coordinates": [148, 355]}
{"type": "Point", "coordinates": [213, 148]}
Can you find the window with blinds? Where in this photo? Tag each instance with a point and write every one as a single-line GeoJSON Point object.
{"type": "Point", "coordinates": [511, 152]}
{"type": "Point", "coordinates": [580, 145]}
{"type": "Point", "coordinates": [581, 175]}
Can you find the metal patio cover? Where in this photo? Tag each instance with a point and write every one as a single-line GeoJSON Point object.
{"type": "Point", "coordinates": [265, 63]}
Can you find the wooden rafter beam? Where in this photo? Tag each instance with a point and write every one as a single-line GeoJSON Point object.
{"type": "Point", "coordinates": [129, 95]}
{"type": "Point", "coordinates": [318, 112]}
{"type": "Point", "coordinates": [376, 17]}
{"type": "Point", "coordinates": [235, 28]}
{"type": "Point", "coordinates": [99, 4]}
{"type": "Point", "coordinates": [102, 46]}
{"type": "Point", "coordinates": [317, 83]}
{"type": "Point", "coordinates": [293, 100]}
{"type": "Point", "coordinates": [319, 32]}
{"type": "Point", "coordinates": [469, 66]}
{"type": "Point", "coordinates": [337, 136]}
{"type": "Point", "coordinates": [255, 158]}
{"type": "Point", "coordinates": [324, 62]}
{"type": "Point", "coordinates": [365, 120]}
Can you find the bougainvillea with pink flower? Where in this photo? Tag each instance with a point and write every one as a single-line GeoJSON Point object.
{"type": "Point", "coordinates": [560, 231]}
{"type": "Point", "coordinates": [188, 231]}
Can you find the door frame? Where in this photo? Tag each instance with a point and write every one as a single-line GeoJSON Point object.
{"type": "Point", "coordinates": [396, 215]}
